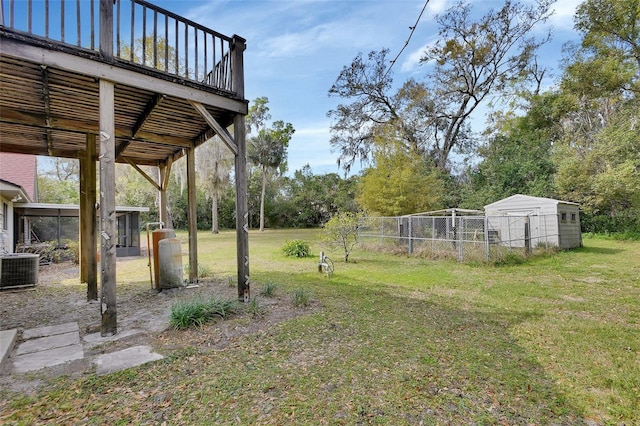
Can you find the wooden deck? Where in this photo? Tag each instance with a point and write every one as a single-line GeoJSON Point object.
{"type": "Point", "coordinates": [49, 91]}
{"type": "Point", "coordinates": [121, 81]}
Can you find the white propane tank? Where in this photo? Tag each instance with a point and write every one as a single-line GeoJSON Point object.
{"type": "Point", "coordinates": [170, 263]}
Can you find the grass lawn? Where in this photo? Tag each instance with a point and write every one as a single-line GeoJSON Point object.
{"type": "Point", "coordinates": [398, 340]}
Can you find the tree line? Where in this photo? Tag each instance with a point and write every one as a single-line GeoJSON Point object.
{"type": "Point", "coordinates": [576, 138]}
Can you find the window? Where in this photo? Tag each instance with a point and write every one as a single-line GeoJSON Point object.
{"type": "Point", "coordinates": [573, 218]}
{"type": "Point", "coordinates": [563, 217]}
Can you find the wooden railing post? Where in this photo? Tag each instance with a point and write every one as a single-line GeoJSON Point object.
{"type": "Point", "coordinates": [106, 29]}
{"type": "Point", "coordinates": [238, 45]}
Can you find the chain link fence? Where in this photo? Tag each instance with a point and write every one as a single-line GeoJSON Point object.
{"type": "Point", "coordinates": [466, 238]}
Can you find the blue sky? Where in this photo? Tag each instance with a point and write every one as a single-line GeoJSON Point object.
{"type": "Point", "coordinates": [296, 49]}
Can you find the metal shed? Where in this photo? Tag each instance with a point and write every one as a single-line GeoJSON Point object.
{"type": "Point", "coordinates": [550, 221]}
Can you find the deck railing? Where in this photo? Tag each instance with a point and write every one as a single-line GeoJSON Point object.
{"type": "Point", "coordinates": [143, 34]}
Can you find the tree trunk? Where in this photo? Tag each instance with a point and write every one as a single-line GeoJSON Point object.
{"type": "Point", "coordinates": [264, 188]}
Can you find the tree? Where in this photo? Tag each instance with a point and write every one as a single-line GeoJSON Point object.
{"type": "Point", "coordinates": [341, 232]}
{"type": "Point", "coordinates": [268, 149]}
{"type": "Point", "coordinates": [213, 163]}
{"type": "Point", "coordinates": [400, 182]}
{"type": "Point", "coordinates": [309, 200]}
{"type": "Point", "coordinates": [172, 64]}
{"type": "Point", "coordinates": [64, 169]}
{"type": "Point", "coordinates": [597, 157]}
{"type": "Point", "coordinates": [471, 61]}
{"type": "Point", "coordinates": [518, 157]}
{"type": "Point", "coordinates": [605, 177]}
{"type": "Point", "coordinates": [58, 183]}
{"type": "Point", "coordinates": [57, 191]}
{"type": "Point", "coordinates": [258, 114]}
{"type": "Point", "coordinates": [611, 27]}
{"type": "Point", "coordinates": [132, 189]}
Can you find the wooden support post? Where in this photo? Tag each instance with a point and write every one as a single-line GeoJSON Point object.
{"type": "Point", "coordinates": [107, 180]}
{"type": "Point", "coordinates": [83, 255]}
{"type": "Point", "coordinates": [162, 196]}
{"type": "Point", "coordinates": [242, 209]}
{"type": "Point", "coordinates": [88, 245]}
{"type": "Point", "coordinates": [107, 209]}
{"type": "Point", "coordinates": [192, 216]}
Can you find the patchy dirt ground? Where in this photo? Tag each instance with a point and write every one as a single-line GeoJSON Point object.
{"type": "Point", "coordinates": [143, 317]}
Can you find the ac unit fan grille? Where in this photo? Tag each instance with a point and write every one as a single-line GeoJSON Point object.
{"type": "Point", "coordinates": [17, 270]}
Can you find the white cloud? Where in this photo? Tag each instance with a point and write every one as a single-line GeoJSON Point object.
{"type": "Point", "coordinates": [412, 63]}
{"type": "Point", "coordinates": [564, 11]}
{"type": "Point", "coordinates": [438, 6]}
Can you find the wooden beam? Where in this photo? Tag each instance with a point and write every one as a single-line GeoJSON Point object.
{"type": "Point", "coordinates": [12, 116]}
{"type": "Point", "coordinates": [46, 98]}
{"type": "Point", "coordinates": [144, 175]}
{"type": "Point", "coordinates": [163, 181]}
{"type": "Point", "coordinates": [119, 75]}
{"type": "Point", "coordinates": [107, 209]}
{"type": "Point", "coordinates": [221, 131]}
{"type": "Point", "coordinates": [192, 216]}
{"type": "Point", "coordinates": [153, 104]}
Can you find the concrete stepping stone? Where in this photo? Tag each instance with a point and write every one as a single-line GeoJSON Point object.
{"type": "Point", "coordinates": [7, 339]}
{"type": "Point", "coordinates": [50, 330]}
{"type": "Point", "coordinates": [48, 342]}
{"type": "Point", "coordinates": [48, 346]}
{"type": "Point", "coordinates": [126, 358]}
{"type": "Point", "coordinates": [47, 358]}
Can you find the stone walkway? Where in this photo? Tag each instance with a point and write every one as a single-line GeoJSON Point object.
{"type": "Point", "coordinates": [45, 347]}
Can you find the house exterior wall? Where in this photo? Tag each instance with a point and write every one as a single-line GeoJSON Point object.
{"type": "Point", "coordinates": [20, 169]}
{"type": "Point", "coordinates": [6, 226]}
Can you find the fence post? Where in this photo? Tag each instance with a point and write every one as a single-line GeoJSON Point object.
{"type": "Point", "coordinates": [486, 238]}
{"type": "Point", "coordinates": [527, 236]}
{"type": "Point", "coordinates": [460, 227]}
{"type": "Point", "coordinates": [410, 234]}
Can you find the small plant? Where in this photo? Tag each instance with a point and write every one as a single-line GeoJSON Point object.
{"type": "Point", "coordinates": [268, 290]}
{"type": "Point", "coordinates": [300, 297]}
{"type": "Point", "coordinates": [197, 312]}
{"type": "Point", "coordinates": [341, 232]}
{"type": "Point", "coordinates": [296, 248]}
{"type": "Point", "coordinates": [203, 270]}
{"type": "Point", "coordinates": [186, 314]}
{"type": "Point", "coordinates": [254, 308]}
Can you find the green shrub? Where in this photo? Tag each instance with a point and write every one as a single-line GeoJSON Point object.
{"type": "Point", "coordinates": [268, 290]}
{"type": "Point", "coordinates": [300, 297]}
{"type": "Point", "coordinates": [254, 308]}
{"type": "Point", "coordinates": [198, 311]}
{"type": "Point", "coordinates": [296, 248]}
{"type": "Point", "coordinates": [186, 314]}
